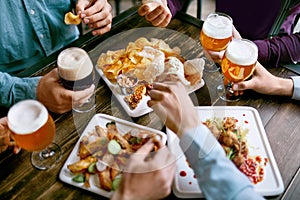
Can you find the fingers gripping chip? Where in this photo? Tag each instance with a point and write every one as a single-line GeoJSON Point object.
{"type": "Point", "coordinates": [70, 18]}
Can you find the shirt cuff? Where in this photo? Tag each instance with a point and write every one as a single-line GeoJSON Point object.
{"type": "Point", "coordinates": [296, 91]}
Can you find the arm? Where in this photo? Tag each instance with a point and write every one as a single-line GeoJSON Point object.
{"type": "Point", "coordinates": [14, 89]}
{"type": "Point", "coordinates": [276, 85]}
{"type": "Point", "coordinates": [209, 162]}
{"type": "Point", "coordinates": [276, 50]}
{"type": "Point", "coordinates": [215, 173]}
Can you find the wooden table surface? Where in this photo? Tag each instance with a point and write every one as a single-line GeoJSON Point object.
{"type": "Point", "coordinates": [280, 117]}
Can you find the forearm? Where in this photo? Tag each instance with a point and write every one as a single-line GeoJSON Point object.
{"type": "Point", "coordinates": [215, 173]}
{"type": "Point", "coordinates": [278, 50]}
{"type": "Point", "coordinates": [14, 89]}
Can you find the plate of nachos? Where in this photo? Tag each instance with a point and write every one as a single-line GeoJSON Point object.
{"type": "Point", "coordinates": [150, 55]}
{"type": "Point", "coordinates": [240, 132]}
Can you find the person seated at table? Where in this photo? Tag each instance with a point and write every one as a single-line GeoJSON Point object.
{"type": "Point", "coordinates": [206, 156]}
{"type": "Point", "coordinates": [276, 86]}
{"type": "Point", "coordinates": [284, 47]}
{"type": "Point", "coordinates": [32, 30]}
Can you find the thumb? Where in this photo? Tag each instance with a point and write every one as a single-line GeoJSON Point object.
{"type": "Point", "coordinates": [244, 85]}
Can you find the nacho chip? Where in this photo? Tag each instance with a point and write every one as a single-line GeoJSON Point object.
{"type": "Point", "coordinates": [70, 18]}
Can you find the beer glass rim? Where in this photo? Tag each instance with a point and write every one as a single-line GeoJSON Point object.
{"type": "Point", "coordinates": [12, 124]}
{"type": "Point", "coordinates": [253, 46]}
{"type": "Point", "coordinates": [220, 14]}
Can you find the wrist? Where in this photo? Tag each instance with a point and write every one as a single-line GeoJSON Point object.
{"type": "Point", "coordinates": [285, 87]}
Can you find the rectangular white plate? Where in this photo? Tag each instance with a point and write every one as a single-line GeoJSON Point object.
{"type": "Point", "coordinates": [142, 107]}
{"type": "Point", "coordinates": [248, 117]}
{"type": "Point", "coordinates": [101, 120]}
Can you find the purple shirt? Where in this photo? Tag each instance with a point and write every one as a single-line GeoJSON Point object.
{"type": "Point", "coordinates": [254, 19]}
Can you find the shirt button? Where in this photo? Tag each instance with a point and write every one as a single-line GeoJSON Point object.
{"type": "Point", "coordinates": [32, 12]}
{"type": "Point", "coordinates": [41, 36]}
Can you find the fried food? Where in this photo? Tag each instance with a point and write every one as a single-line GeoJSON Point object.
{"type": "Point", "coordinates": [70, 18]}
{"type": "Point", "coordinates": [96, 158]}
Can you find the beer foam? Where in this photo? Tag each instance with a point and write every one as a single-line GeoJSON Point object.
{"type": "Point", "coordinates": [74, 64]}
{"type": "Point", "coordinates": [27, 116]}
{"type": "Point", "coordinates": [217, 26]}
{"type": "Point", "coordinates": [242, 52]}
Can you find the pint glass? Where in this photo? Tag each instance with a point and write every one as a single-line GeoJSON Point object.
{"type": "Point", "coordinates": [33, 129]}
{"type": "Point", "coordinates": [237, 64]}
{"type": "Point", "coordinates": [76, 73]}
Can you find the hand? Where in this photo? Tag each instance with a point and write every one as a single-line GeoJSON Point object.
{"type": "Point", "coordinates": [5, 137]}
{"type": "Point", "coordinates": [264, 82]}
{"type": "Point", "coordinates": [96, 14]}
{"type": "Point", "coordinates": [155, 12]}
{"type": "Point", "coordinates": [147, 177]}
{"type": "Point", "coordinates": [58, 99]}
{"type": "Point", "coordinates": [173, 105]}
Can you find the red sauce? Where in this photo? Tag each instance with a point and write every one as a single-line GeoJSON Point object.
{"type": "Point", "coordinates": [246, 122]}
{"type": "Point", "coordinates": [190, 183]}
{"type": "Point", "coordinates": [194, 175]}
{"type": "Point", "coordinates": [253, 168]}
{"type": "Point", "coordinates": [182, 173]}
{"type": "Point", "coordinates": [244, 115]}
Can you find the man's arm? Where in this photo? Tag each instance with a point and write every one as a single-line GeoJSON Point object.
{"type": "Point", "coordinates": [14, 89]}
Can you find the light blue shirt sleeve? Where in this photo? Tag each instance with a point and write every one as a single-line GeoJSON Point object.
{"type": "Point", "coordinates": [296, 92]}
{"type": "Point", "coordinates": [14, 89]}
{"type": "Point", "coordinates": [31, 30]}
{"type": "Point", "coordinates": [217, 176]}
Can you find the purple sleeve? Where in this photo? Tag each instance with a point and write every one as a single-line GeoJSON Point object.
{"type": "Point", "coordinates": [175, 6]}
{"type": "Point", "coordinates": [283, 49]}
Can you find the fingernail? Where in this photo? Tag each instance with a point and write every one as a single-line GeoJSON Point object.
{"type": "Point", "coordinates": [86, 21]}
{"type": "Point", "coordinates": [235, 87]}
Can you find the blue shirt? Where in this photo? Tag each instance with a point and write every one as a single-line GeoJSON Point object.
{"type": "Point", "coordinates": [207, 158]}
{"type": "Point", "coordinates": [31, 30]}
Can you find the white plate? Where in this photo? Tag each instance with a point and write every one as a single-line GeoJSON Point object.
{"type": "Point", "coordinates": [99, 119]}
{"type": "Point", "coordinates": [248, 117]}
{"type": "Point", "coordinates": [142, 107]}
{"type": "Point", "coordinates": [190, 49]}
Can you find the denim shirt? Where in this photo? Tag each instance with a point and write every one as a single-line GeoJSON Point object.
{"type": "Point", "coordinates": [31, 30]}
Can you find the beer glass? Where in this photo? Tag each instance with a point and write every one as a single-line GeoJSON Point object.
{"type": "Point", "coordinates": [215, 35]}
{"type": "Point", "coordinates": [76, 73]}
{"type": "Point", "coordinates": [237, 64]}
{"type": "Point", "coordinates": [33, 129]}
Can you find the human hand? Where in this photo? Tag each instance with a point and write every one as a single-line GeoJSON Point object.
{"type": "Point", "coordinates": [58, 99]}
{"type": "Point", "coordinates": [5, 137]}
{"type": "Point", "coordinates": [97, 14]}
{"type": "Point", "coordinates": [173, 105]}
{"type": "Point", "coordinates": [148, 175]}
{"type": "Point", "coordinates": [156, 12]}
{"type": "Point", "coordinates": [264, 82]}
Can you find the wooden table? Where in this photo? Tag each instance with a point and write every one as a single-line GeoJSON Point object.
{"type": "Point", "coordinates": [280, 117]}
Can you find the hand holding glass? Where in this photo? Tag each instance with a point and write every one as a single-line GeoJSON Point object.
{"type": "Point", "coordinates": [237, 65]}
{"type": "Point", "coordinates": [33, 129]}
{"type": "Point", "coordinates": [215, 34]}
{"type": "Point", "coordinates": [76, 73]}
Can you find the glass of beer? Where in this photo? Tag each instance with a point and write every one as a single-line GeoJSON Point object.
{"type": "Point", "coordinates": [33, 129]}
{"type": "Point", "coordinates": [76, 73]}
{"type": "Point", "coordinates": [238, 64]}
{"type": "Point", "coordinates": [215, 35]}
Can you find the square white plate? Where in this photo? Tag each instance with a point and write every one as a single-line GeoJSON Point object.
{"type": "Point", "coordinates": [101, 120]}
{"type": "Point", "coordinates": [248, 117]}
{"type": "Point", "coordinates": [142, 107]}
